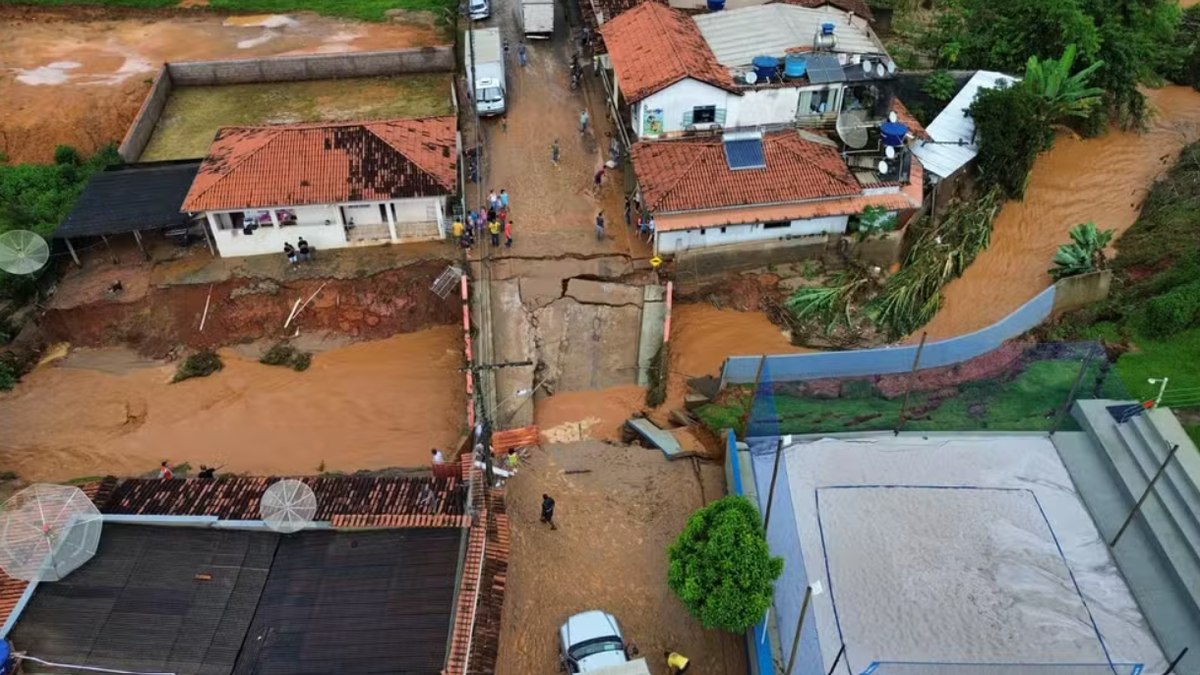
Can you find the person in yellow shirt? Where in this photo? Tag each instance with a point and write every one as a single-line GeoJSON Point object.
{"type": "Point", "coordinates": [457, 229]}
{"type": "Point", "coordinates": [678, 663]}
{"type": "Point", "coordinates": [494, 228]}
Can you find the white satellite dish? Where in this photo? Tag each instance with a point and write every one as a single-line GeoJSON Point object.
{"type": "Point", "coordinates": [880, 70]}
{"type": "Point", "coordinates": [889, 152]}
{"type": "Point", "coordinates": [751, 77]}
{"type": "Point", "coordinates": [22, 252]}
{"type": "Point", "coordinates": [288, 506]}
{"type": "Point", "coordinates": [852, 128]}
{"type": "Point", "coordinates": [48, 531]}
{"type": "Point", "coordinates": [891, 66]}
{"type": "Point", "coordinates": [892, 117]}
{"type": "Point", "coordinates": [866, 66]}
{"type": "Point", "coordinates": [883, 166]}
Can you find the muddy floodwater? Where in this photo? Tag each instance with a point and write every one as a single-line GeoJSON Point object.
{"type": "Point", "coordinates": [365, 406]}
{"type": "Point", "coordinates": [1100, 179]}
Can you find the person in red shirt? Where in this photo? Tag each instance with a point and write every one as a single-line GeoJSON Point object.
{"type": "Point", "coordinates": [164, 471]}
{"type": "Point", "coordinates": [508, 233]}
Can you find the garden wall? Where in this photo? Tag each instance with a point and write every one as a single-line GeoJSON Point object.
{"type": "Point", "coordinates": [274, 69]}
{"type": "Point", "coordinates": [886, 360]}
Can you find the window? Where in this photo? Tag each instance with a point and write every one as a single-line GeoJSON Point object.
{"type": "Point", "coordinates": [704, 114]}
{"type": "Point", "coordinates": [777, 224]}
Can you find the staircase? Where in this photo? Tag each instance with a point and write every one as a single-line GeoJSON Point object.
{"type": "Point", "coordinates": [1111, 463]}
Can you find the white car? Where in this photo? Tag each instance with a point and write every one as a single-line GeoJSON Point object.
{"type": "Point", "coordinates": [480, 9]}
{"type": "Point", "coordinates": [591, 642]}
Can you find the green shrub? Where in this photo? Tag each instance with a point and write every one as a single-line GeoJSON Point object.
{"type": "Point", "coordinates": [1173, 312]}
{"type": "Point", "coordinates": [1012, 132]}
{"type": "Point", "coordinates": [9, 375]}
{"type": "Point", "coordinates": [301, 362]}
{"type": "Point", "coordinates": [201, 364]}
{"type": "Point", "coordinates": [720, 565]}
{"type": "Point", "coordinates": [1084, 254]}
{"type": "Point", "coordinates": [939, 86]}
{"type": "Point", "coordinates": [65, 155]}
{"type": "Point", "coordinates": [283, 354]}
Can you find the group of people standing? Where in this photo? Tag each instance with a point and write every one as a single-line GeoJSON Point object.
{"type": "Point", "coordinates": [298, 253]}
{"type": "Point", "coordinates": [493, 216]}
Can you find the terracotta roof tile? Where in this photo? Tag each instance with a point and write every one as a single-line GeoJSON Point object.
{"type": "Point", "coordinates": [606, 10]}
{"type": "Point", "coordinates": [514, 438]}
{"type": "Point", "coordinates": [652, 46]}
{"type": "Point", "coordinates": [297, 164]}
{"type": "Point", "coordinates": [859, 7]}
{"type": "Point", "coordinates": [692, 173]}
{"type": "Point", "coordinates": [909, 197]}
{"type": "Point", "coordinates": [906, 118]}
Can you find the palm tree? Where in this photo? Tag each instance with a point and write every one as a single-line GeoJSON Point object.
{"type": "Point", "coordinates": [1063, 94]}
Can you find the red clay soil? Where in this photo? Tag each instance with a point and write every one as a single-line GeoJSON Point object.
{"type": "Point", "coordinates": [244, 310]}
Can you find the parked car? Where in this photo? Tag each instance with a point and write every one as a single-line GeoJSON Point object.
{"type": "Point", "coordinates": [480, 9]}
{"type": "Point", "coordinates": [591, 642]}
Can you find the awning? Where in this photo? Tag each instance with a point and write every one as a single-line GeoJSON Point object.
{"type": "Point", "coordinates": [131, 198]}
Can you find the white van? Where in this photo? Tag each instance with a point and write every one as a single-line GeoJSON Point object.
{"type": "Point", "coordinates": [480, 9]}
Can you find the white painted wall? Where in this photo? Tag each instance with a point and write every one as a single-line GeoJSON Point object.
{"type": "Point", "coordinates": [268, 239]}
{"type": "Point", "coordinates": [682, 240]}
{"type": "Point", "coordinates": [676, 100]}
{"type": "Point", "coordinates": [753, 107]}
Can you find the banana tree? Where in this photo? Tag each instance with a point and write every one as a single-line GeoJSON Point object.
{"type": "Point", "coordinates": [1084, 254]}
{"type": "Point", "coordinates": [1063, 94]}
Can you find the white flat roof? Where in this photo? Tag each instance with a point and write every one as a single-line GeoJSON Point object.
{"type": "Point", "coordinates": [953, 125]}
{"type": "Point", "coordinates": [736, 36]}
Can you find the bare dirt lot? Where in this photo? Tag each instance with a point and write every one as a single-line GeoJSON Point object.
{"type": "Point", "coordinates": [77, 76]}
{"type": "Point", "coordinates": [609, 552]}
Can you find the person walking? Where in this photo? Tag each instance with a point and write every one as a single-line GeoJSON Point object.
{"type": "Point", "coordinates": [512, 460]}
{"type": "Point", "coordinates": [676, 662]}
{"type": "Point", "coordinates": [598, 178]}
{"type": "Point", "coordinates": [165, 473]}
{"type": "Point", "coordinates": [628, 211]}
{"type": "Point", "coordinates": [494, 229]}
{"type": "Point", "coordinates": [290, 252]}
{"type": "Point", "coordinates": [493, 200]}
{"type": "Point", "coordinates": [503, 198]}
{"type": "Point", "coordinates": [508, 225]}
{"type": "Point", "coordinates": [584, 118]}
{"type": "Point", "coordinates": [548, 511]}
{"type": "Point", "coordinates": [438, 457]}
{"type": "Point", "coordinates": [457, 229]}
{"type": "Point", "coordinates": [207, 473]}
{"type": "Point", "coordinates": [554, 152]}
{"type": "Point", "coordinates": [600, 226]}
{"type": "Point", "coordinates": [521, 53]}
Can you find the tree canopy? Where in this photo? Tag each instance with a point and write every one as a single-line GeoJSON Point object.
{"type": "Point", "coordinates": [720, 565]}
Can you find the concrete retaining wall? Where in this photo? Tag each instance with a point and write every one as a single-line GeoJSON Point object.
{"type": "Point", "coordinates": [312, 67]}
{"type": "Point", "coordinates": [142, 129]}
{"type": "Point", "coordinates": [1081, 291]}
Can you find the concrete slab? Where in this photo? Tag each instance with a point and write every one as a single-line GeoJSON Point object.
{"type": "Point", "coordinates": [663, 440]}
{"type": "Point", "coordinates": [604, 293]}
{"type": "Point", "coordinates": [610, 266]}
{"type": "Point", "coordinates": [539, 291]}
{"type": "Point", "coordinates": [587, 346]}
{"type": "Point", "coordinates": [651, 337]}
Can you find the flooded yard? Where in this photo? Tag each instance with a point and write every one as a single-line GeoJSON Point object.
{"type": "Point", "coordinates": [193, 114]}
{"type": "Point", "coordinates": [369, 405]}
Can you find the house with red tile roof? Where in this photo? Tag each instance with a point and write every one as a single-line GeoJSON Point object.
{"type": "Point", "coordinates": [776, 188]}
{"type": "Point", "coordinates": [334, 184]}
{"type": "Point", "coordinates": [761, 65]}
{"type": "Point", "coordinates": [394, 574]}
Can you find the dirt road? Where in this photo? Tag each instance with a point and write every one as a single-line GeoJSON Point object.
{"type": "Point", "coordinates": [366, 406]}
{"type": "Point", "coordinates": [609, 552]}
{"type": "Point", "coordinates": [77, 76]}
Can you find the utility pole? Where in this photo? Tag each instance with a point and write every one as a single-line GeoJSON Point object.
{"type": "Point", "coordinates": [912, 375]}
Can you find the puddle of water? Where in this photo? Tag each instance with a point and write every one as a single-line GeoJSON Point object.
{"type": "Point", "coordinates": [55, 73]}
{"type": "Point", "coordinates": [254, 42]}
{"type": "Point", "coordinates": [262, 21]}
{"type": "Point", "coordinates": [1100, 179]}
{"type": "Point", "coordinates": [369, 405]}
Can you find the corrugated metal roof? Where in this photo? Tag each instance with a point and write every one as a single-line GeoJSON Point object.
{"type": "Point", "coordinates": [943, 157]}
{"type": "Point", "coordinates": [736, 36]}
{"type": "Point", "coordinates": [134, 197]}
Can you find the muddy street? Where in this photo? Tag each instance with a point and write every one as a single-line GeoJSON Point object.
{"type": "Point", "coordinates": [77, 76]}
{"type": "Point", "coordinates": [365, 406]}
{"type": "Point", "coordinates": [617, 511]}
{"type": "Point", "coordinates": [1100, 179]}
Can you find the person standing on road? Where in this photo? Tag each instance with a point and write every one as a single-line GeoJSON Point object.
{"type": "Point", "coordinates": [628, 211]}
{"type": "Point", "coordinates": [554, 152]}
{"type": "Point", "coordinates": [548, 511]}
{"type": "Point", "coordinates": [676, 662]}
{"type": "Point", "coordinates": [493, 200]}
{"type": "Point", "coordinates": [598, 178]}
{"type": "Point", "coordinates": [494, 229]}
{"type": "Point", "coordinates": [521, 54]}
{"type": "Point", "coordinates": [600, 225]}
{"type": "Point", "coordinates": [457, 229]}
{"type": "Point", "coordinates": [583, 121]}
{"type": "Point", "coordinates": [165, 473]}
{"type": "Point", "coordinates": [290, 252]}
{"type": "Point", "coordinates": [503, 198]}
{"type": "Point", "coordinates": [508, 225]}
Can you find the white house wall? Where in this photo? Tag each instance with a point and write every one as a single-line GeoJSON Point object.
{"type": "Point", "coordinates": [267, 239]}
{"type": "Point", "coordinates": [762, 106]}
{"type": "Point", "coordinates": [753, 107]}
{"type": "Point", "coordinates": [683, 240]}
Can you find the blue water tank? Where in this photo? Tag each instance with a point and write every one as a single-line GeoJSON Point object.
{"type": "Point", "coordinates": [827, 28]}
{"type": "Point", "coordinates": [795, 65]}
{"type": "Point", "coordinates": [893, 133]}
{"type": "Point", "coordinates": [6, 661]}
{"type": "Point", "coordinates": [765, 67]}
{"type": "Point", "coordinates": [716, 5]}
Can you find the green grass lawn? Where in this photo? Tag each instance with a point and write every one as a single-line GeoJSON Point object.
{"type": "Point", "coordinates": [193, 114]}
{"type": "Point", "coordinates": [1019, 404]}
{"type": "Point", "coordinates": [363, 10]}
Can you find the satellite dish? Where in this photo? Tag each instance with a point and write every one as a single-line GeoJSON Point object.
{"type": "Point", "coordinates": [852, 128]}
{"type": "Point", "coordinates": [22, 252]}
{"type": "Point", "coordinates": [883, 166]}
{"type": "Point", "coordinates": [288, 506]}
{"type": "Point", "coordinates": [48, 531]}
{"type": "Point", "coordinates": [751, 77]}
{"type": "Point", "coordinates": [891, 66]}
{"type": "Point", "coordinates": [866, 66]}
{"type": "Point", "coordinates": [889, 152]}
{"type": "Point", "coordinates": [892, 117]}
{"type": "Point", "coordinates": [880, 70]}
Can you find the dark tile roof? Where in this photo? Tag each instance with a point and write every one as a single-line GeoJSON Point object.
{"type": "Point", "coordinates": [653, 46]}
{"type": "Point", "coordinates": [128, 198]}
{"type": "Point", "coordinates": [237, 498]}
{"type": "Point", "coordinates": [348, 603]}
{"type": "Point", "coordinates": [153, 599]}
{"type": "Point", "coordinates": [692, 174]}
{"type": "Point", "coordinates": [297, 164]}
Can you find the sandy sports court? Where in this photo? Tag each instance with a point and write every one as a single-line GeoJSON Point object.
{"type": "Point", "coordinates": [618, 508]}
{"type": "Point", "coordinates": [950, 549]}
{"type": "Point", "coordinates": [77, 76]}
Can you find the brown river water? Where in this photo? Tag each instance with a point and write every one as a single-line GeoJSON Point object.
{"type": "Point", "coordinates": [369, 405]}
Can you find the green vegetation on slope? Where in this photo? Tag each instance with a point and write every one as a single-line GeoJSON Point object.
{"type": "Point", "coordinates": [363, 10]}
